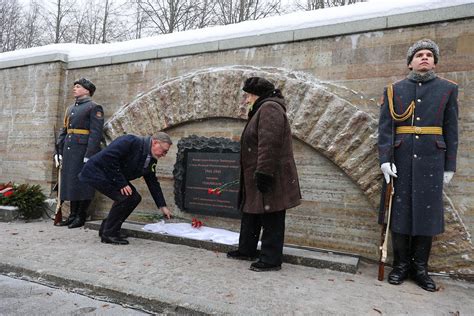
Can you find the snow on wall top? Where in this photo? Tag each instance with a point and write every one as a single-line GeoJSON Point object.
{"type": "Point", "coordinates": [289, 22]}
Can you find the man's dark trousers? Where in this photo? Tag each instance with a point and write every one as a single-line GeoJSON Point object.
{"type": "Point", "coordinates": [121, 209]}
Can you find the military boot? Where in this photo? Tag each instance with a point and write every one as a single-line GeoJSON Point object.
{"type": "Point", "coordinates": [80, 219]}
{"type": "Point", "coordinates": [421, 253]}
{"type": "Point", "coordinates": [74, 206]}
{"type": "Point", "coordinates": [401, 258]}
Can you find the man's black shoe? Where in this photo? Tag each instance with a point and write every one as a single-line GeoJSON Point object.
{"type": "Point", "coordinates": [113, 240]}
{"type": "Point", "coordinates": [235, 254]}
{"type": "Point", "coordinates": [122, 235]}
{"type": "Point", "coordinates": [260, 266]}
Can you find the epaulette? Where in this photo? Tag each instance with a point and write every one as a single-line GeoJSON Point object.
{"type": "Point", "coordinates": [453, 82]}
{"type": "Point", "coordinates": [382, 100]}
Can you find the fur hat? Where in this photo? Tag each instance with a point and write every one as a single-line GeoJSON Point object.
{"type": "Point", "coordinates": [86, 84]}
{"type": "Point", "coordinates": [258, 86]}
{"type": "Point", "coordinates": [423, 44]}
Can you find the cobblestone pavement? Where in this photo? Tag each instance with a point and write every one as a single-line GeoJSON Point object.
{"type": "Point", "coordinates": [177, 279]}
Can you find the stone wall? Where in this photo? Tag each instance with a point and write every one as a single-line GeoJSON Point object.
{"type": "Point", "coordinates": [333, 85]}
{"type": "Point", "coordinates": [31, 98]}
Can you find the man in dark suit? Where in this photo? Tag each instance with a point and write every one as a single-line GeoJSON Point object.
{"type": "Point", "coordinates": [127, 158]}
{"type": "Point", "coordinates": [418, 140]}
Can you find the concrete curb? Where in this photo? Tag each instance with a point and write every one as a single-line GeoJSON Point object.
{"type": "Point", "coordinates": [305, 257]}
{"type": "Point", "coordinates": [8, 213]}
{"type": "Point", "coordinates": [110, 295]}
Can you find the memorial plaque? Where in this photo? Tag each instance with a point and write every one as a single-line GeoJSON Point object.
{"type": "Point", "coordinates": [204, 173]}
{"type": "Point", "coordinates": [202, 165]}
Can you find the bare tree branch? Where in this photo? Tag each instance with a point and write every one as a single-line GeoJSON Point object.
{"type": "Point", "coordinates": [103, 21]}
{"type": "Point", "coordinates": [235, 11]}
{"type": "Point", "coordinates": [309, 5]}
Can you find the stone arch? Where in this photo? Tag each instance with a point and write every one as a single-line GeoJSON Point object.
{"type": "Point", "coordinates": [320, 117]}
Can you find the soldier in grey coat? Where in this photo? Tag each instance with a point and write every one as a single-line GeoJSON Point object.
{"type": "Point", "coordinates": [418, 140]}
{"type": "Point", "coordinates": [78, 140]}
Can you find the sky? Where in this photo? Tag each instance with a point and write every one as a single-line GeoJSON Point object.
{"type": "Point", "coordinates": [292, 21]}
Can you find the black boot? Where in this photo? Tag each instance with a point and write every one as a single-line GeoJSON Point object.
{"type": "Point", "coordinates": [102, 225]}
{"type": "Point", "coordinates": [421, 253]}
{"type": "Point", "coordinates": [401, 258]}
{"type": "Point", "coordinates": [74, 206]}
{"type": "Point", "coordinates": [80, 219]}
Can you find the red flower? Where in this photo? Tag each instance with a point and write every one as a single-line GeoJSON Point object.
{"type": "Point", "coordinates": [196, 223]}
{"type": "Point", "coordinates": [8, 193]}
{"type": "Point", "coordinates": [210, 191]}
{"type": "Point", "coordinates": [218, 192]}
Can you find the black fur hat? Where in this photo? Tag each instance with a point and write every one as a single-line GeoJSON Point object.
{"type": "Point", "coordinates": [258, 86]}
{"type": "Point", "coordinates": [86, 84]}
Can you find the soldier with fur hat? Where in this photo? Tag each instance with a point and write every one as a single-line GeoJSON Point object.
{"type": "Point", "coordinates": [78, 140]}
{"type": "Point", "coordinates": [269, 182]}
{"type": "Point", "coordinates": [418, 140]}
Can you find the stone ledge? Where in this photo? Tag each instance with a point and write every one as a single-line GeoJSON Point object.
{"type": "Point", "coordinates": [256, 40]}
{"type": "Point", "coordinates": [39, 59]}
{"type": "Point", "coordinates": [431, 16]}
{"type": "Point", "coordinates": [367, 25]}
{"type": "Point", "coordinates": [8, 213]}
{"type": "Point", "coordinates": [299, 256]}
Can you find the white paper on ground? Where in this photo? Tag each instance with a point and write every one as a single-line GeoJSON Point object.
{"type": "Point", "coordinates": [217, 235]}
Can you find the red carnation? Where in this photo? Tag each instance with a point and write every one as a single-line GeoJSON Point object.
{"type": "Point", "coordinates": [196, 223]}
{"type": "Point", "coordinates": [8, 193]}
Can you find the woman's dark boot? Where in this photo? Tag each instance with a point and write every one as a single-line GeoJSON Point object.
{"type": "Point", "coordinates": [80, 219]}
{"type": "Point", "coordinates": [401, 258]}
{"type": "Point", "coordinates": [74, 206]}
{"type": "Point", "coordinates": [421, 253]}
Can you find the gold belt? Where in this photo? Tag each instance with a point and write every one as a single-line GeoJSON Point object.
{"type": "Point", "coordinates": [433, 130]}
{"type": "Point", "coordinates": [78, 131]}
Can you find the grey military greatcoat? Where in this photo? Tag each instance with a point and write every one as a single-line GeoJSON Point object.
{"type": "Point", "coordinates": [421, 159]}
{"type": "Point", "coordinates": [79, 138]}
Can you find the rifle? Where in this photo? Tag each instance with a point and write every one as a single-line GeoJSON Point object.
{"type": "Point", "coordinates": [58, 214]}
{"type": "Point", "coordinates": [387, 210]}
{"type": "Point", "coordinates": [387, 207]}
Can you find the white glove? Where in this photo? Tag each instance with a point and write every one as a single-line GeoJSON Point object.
{"type": "Point", "coordinates": [387, 171]}
{"type": "Point", "coordinates": [58, 159]}
{"type": "Point", "coordinates": [85, 159]}
{"type": "Point", "coordinates": [447, 176]}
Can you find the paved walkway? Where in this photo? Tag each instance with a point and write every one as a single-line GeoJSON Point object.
{"type": "Point", "coordinates": [178, 279]}
{"type": "Point", "coordinates": [22, 297]}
